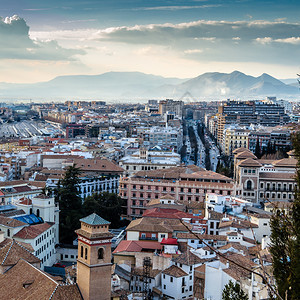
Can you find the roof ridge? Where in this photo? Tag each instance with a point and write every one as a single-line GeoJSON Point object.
{"type": "Point", "coordinates": [7, 253]}
{"type": "Point", "coordinates": [23, 247]}
{"type": "Point", "coordinates": [53, 292]}
{"type": "Point", "coordinates": [43, 272]}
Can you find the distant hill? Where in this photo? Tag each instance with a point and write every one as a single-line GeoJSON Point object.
{"type": "Point", "coordinates": [134, 85]}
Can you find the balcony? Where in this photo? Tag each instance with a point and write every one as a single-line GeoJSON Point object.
{"type": "Point", "coordinates": [148, 239]}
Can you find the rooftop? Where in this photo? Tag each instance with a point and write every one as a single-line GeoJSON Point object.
{"type": "Point", "coordinates": [175, 271]}
{"type": "Point", "coordinates": [94, 219]}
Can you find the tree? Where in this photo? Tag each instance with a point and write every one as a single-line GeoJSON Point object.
{"type": "Point", "coordinates": [285, 241]}
{"type": "Point", "coordinates": [108, 206]}
{"type": "Point", "coordinates": [70, 204]}
{"type": "Point", "coordinates": [233, 291]}
{"type": "Point", "coordinates": [257, 152]}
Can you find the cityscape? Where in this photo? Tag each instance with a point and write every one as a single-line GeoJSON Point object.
{"type": "Point", "coordinates": [149, 150]}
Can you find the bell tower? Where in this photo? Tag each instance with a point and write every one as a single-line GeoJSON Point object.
{"type": "Point", "coordinates": [94, 258]}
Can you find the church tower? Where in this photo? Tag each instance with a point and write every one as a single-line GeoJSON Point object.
{"type": "Point", "coordinates": [94, 258]}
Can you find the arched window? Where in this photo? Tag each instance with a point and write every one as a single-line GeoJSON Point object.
{"type": "Point", "coordinates": [30, 211]}
{"type": "Point", "coordinates": [100, 253]}
{"type": "Point", "coordinates": [249, 185]}
{"type": "Point", "coordinates": [81, 251]}
{"type": "Point", "coordinates": [85, 254]}
{"type": "Point", "coordinates": [8, 232]}
{"type": "Point", "coordinates": [38, 212]}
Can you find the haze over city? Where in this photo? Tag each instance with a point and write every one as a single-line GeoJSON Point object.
{"type": "Point", "coordinates": [44, 39]}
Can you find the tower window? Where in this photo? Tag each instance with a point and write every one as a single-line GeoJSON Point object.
{"type": "Point", "coordinates": [81, 251]}
{"type": "Point", "coordinates": [100, 253]}
{"type": "Point", "coordinates": [85, 254]}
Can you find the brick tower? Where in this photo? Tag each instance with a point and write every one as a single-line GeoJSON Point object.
{"type": "Point", "coordinates": [94, 258]}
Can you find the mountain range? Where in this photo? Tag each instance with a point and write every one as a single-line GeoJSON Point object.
{"type": "Point", "coordinates": [128, 86]}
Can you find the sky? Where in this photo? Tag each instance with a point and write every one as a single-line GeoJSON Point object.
{"type": "Point", "coordinates": [40, 40]}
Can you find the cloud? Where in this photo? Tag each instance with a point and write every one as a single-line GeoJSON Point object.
{"type": "Point", "coordinates": [17, 44]}
{"type": "Point", "coordinates": [264, 41]}
{"type": "Point", "coordinates": [223, 41]}
{"type": "Point", "coordinates": [248, 30]}
{"type": "Point", "coordinates": [177, 7]}
{"type": "Point", "coordinates": [291, 40]}
{"type": "Point", "coordinates": [269, 40]}
{"type": "Point", "coordinates": [193, 51]}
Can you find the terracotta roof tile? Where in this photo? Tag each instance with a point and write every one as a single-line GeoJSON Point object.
{"type": "Point", "coordinates": [175, 271]}
{"type": "Point", "coordinates": [24, 281]}
{"type": "Point", "coordinates": [9, 222]}
{"type": "Point", "coordinates": [183, 235]}
{"type": "Point", "coordinates": [11, 253]}
{"type": "Point", "coordinates": [92, 165]}
{"type": "Point", "coordinates": [137, 246]}
{"type": "Point", "coordinates": [32, 231]}
{"type": "Point", "coordinates": [245, 154]}
{"type": "Point", "coordinates": [249, 162]}
{"type": "Point", "coordinates": [188, 258]}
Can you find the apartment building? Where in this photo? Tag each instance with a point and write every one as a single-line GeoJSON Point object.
{"type": "Point", "coordinates": [260, 180]}
{"type": "Point", "coordinates": [234, 138]}
{"type": "Point", "coordinates": [250, 112]}
{"type": "Point", "coordinates": [167, 138]}
{"type": "Point", "coordinates": [170, 105]}
{"type": "Point", "coordinates": [186, 184]}
{"type": "Point", "coordinates": [149, 160]}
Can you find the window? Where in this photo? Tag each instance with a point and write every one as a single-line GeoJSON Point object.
{"type": "Point", "coordinates": [249, 185]}
{"type": "Point", "coordinates": [85, 253]}
{"type": "Point", "coordinates": [191, 288]}
{"type": "Point", "coordinates": [164, 284]}
{"type": "Point", "coordinates": [8, 232]}
{"type": "Point", "coordinates": [171, 279]}
{"type": "Point", "coordinates": [182, 290]}
{"type": "Point", "coordinates": [100, 253]}
{"type": "Point", "coordinates": [37, 212]}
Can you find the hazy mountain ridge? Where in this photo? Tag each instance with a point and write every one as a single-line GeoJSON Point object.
{"type": "Point", "coordinates": [135, 85]}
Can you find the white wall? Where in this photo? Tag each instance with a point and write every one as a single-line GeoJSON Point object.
{"type": "Point", "coordinates": [132, 235]}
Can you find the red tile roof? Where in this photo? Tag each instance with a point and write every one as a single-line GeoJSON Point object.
{"type": "Point", "coordinates": [166, 213]}
{"type": "Point", "coordinates": [137, 246]}
{"type": "Point", "coordinates": [25, 201]}
{"type": "Point", "coordinates": [169, 241]}
{"type": "Point", "coordinates": [22, 189]}
{"type": "Point", "coordinates": [31, 232]}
